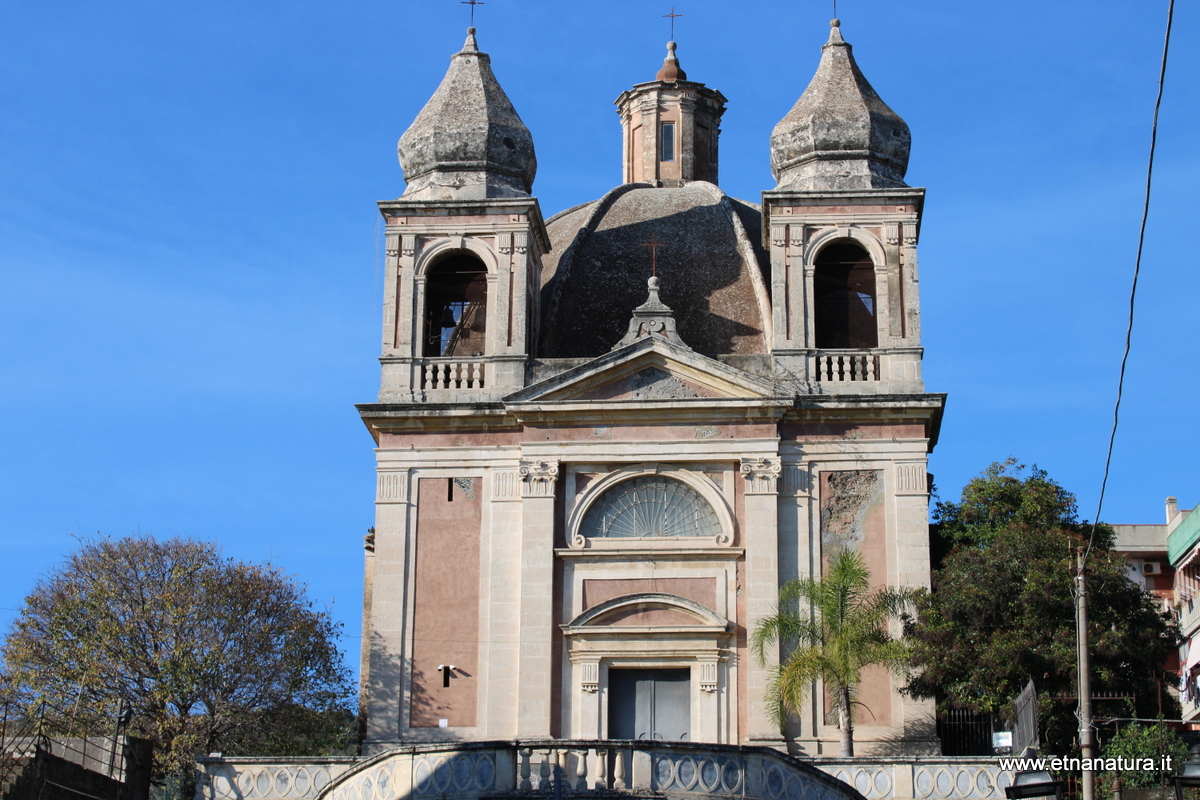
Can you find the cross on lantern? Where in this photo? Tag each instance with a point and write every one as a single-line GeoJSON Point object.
{"type": "Point", "coordinates": [473, 3]}
{"type": "Point", "coordinates": [672, 15]}
{"type": "Point", "coordinates": [654, 244]}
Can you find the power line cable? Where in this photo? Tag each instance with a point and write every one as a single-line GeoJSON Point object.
{"type": "Point", "coordinates": [1137, 268]}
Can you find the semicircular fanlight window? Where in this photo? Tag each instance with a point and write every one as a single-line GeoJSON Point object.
{"type": "Point", "coordinates": [648, 507]}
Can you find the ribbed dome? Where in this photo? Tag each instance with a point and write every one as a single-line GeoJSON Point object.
{"type": "Point", "coordinates": [840, 134]}
{"type": "Point", "coordinates": [711, 267]}
{"type": "Point", "coordinates": [468, 142]}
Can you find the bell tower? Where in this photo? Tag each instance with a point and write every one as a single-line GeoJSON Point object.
{"type": "Point", "coordinates": [464, 245]}
{"type": "Point", "coordinates": [670, 128]}
{"type": "Point", "coordinates": [841, 227]}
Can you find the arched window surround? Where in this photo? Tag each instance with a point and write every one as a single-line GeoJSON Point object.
{"type": "Point", "coordinates": [436, 253]}
{"type": "Point", "coordinates": [698, 481]}
{"type": "Point", "coordinates": [874, 247]}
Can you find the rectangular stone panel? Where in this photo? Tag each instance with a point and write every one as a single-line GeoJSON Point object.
{"type": "Point", "coordinates": [446, 602]}
{"type": "Point", "coordinates": [853, 517]}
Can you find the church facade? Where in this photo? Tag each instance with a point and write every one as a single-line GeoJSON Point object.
{"type": "Point", "coordinates": [605, 439]}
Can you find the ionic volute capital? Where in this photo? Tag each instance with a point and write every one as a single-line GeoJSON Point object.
{"type": "Point", "coordinates": [538, 478]}
{"type": "Point", "coordinates": [761, 474]}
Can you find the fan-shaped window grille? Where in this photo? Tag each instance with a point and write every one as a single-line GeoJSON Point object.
{"type": "Point", "coordinates": [650, 506]}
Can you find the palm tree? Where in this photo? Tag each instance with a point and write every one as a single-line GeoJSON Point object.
{"type": "Point", "coordinates": [840, 628]}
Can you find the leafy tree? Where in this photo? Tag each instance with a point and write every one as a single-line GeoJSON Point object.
{"type": "Point", "coordinates": [1138, 742]}
{"type": "Point", "coordinates": [1002, 610]}
{"type": "Point", "coordinates": [209, 653]}
{"type": "Point", "coordinates": [831, 629]}
{"type": "Point", "coordinates": [1003, 498]}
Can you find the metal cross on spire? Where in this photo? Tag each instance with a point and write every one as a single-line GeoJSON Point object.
{"type": "Point", "coordinates": [473, 3]}
{"type": "Point", "coordinates": [654, 244]}
{"type": "Point", "coordinates": [672, 15]}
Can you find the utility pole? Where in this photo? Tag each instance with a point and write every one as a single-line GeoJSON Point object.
{"type": "Point", "coordinates": [1087, 743]}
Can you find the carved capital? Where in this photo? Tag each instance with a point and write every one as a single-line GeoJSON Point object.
{"type": "Point", "coordinates": [796, 235]}
{"type": "Point", "coordinates": [795, 480]}
{"type": "Point", "coordinates": [392, 245]}
{"type": "Point", "coordinates": [506, 485]}
{"type": "Point", "coordinates": [778, 235]}
{"type": "Point", "coordinates": [708, 676]}
{"type": "Point", "coordinates": [392, 487]}
{"type": "Point", "coordinates": [891, 232]}
{"type": "Point", "coordinates": [505, 243]}
{"type": "Point", "coordinates": [762, 475]}
{"type": "Point", "coordinates": [910, 234]}
{"type": "Point", "coordinates": [521, 243]}
{"type": "Point", "coordinates": [408, 245]}
{"type": "Point", "coordinates": [538, 478]}
{"type": "Point", "coordinates": [911, 479]}
{"type": "Point", "coordinates": [589, 676]}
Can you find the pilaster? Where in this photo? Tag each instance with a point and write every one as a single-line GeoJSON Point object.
{"type": "Point", "coordinates": [538, 483]}
{"type": "Point", "coordinates": [503, 614]}
{"type": "Point", "coordinates": [649, 144]}
{"type": "Point", "coordinates": [761, 474]}
{"type": "Point", "coordinates": [781, 321]}
{"type": "Point", "coordinates": [390, 610]}
{"type": "Point", "coordinates": [908, 265]}
{"type": "Point", "coordinates": [895, 278]}
{"type": "Point", "coordinates": [687, 137]}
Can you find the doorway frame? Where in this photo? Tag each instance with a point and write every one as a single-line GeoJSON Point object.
{"type": "Point", "coordinates": [594, 646]}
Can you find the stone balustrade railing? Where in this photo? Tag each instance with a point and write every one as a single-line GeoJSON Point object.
{"type": "Point", "coordinates": [927, 778]}
{"type": "Point", "coordinates": [267, 778]}
{"type": "Point", "coordinates": [469, 771]}
{"type": "Point", "coordinates": [847, 366]}
{"type": "Point", "coordinates": [866, 371]}
{"type": "Point", "coordinates": [451, 373]}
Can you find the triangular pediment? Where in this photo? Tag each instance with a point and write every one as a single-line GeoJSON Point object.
{"type": "Point", "coordinates": [648, 370]}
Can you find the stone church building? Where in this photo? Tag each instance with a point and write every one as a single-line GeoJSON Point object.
{"type": "Point", "coordinates": [605, 439]}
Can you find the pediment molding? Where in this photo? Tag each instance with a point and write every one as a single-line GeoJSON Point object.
{"type": "Point", "coordinates": [593, 618]}
{"type": "Point", "coordinates": [708, 380]}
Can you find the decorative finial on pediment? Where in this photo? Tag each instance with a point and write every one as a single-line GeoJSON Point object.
{"type": "Point", "coordinates": [652, 318]}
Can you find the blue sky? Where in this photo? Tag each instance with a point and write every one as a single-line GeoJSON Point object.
{"type": "Point", "coordinates": [190, 251]}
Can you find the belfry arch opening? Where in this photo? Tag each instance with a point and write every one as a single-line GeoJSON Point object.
{"type": "Point", "coordinates": [844, 305]}
{"type": "Point", "coordinates": [455, 321]}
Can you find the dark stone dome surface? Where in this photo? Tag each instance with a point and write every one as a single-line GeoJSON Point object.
{"type": "Point", "coordinates": [710, 261]}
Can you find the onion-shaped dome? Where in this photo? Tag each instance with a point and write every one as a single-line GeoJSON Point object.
{"type": "Point", "coordinates": [468, 141]}
{"type": "Point", "coordinates": [840, 134]}
{"type": "Point", "coordinates": [710, 260]}
{"type": "Point", "coordinates": [671, 71]}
